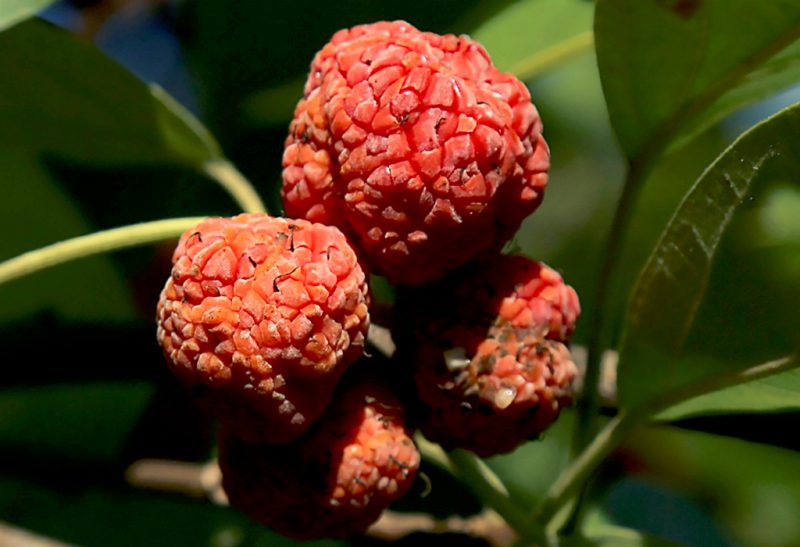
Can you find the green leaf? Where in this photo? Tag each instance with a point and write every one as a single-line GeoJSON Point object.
{"type": "Point", "coordinates": [273, 106]}
{"type": "Point", "coordinates": [35, 211]}
{"type": "Point", "coordinates": [663, 63]}
{"type": "Point", "coordinates": [778, 73]}
{"type": "Point", "coordinates": [94, 513]}
{"type": "Point", "coordinates": [672, 284]}
{"type": "Point", "coordinates": [88, 421]}
{"type": "Point", "coordinates": [529, 36]}
{"type": "Point", "coordinates": [553, 30]}
{"type": "Point", "coordinates": [63, 97]}
{"type": "Point", "coordinates": [609, 535]}
{"type": "Point", "coordinates": [777, 393]}
{"type": "Point", "coordinates": [551, 454]}
{"type": "Point", "coordinates": [14, 11]}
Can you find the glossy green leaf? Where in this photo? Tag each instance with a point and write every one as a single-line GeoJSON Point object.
{"type": "Point", "coordinates": [664, 63]}
{"type": "Point", "coordinates": [752, 490]}
{"type": "Point", "coordinates": [77, 421]}
{"type": "Point", "coordinates": [524, 37]}
{"type": "Point", "coordinates": [529, 36]}
{"type": "Point", "coordinates": [249, 53]}
{"type": "Point", "coordinates": [778, 73]}
{"type": "Point", "coordinates": [551, 453]}
{"type": "Point", "coordinates": [35, 211]}
{"type": "Point", "coordinates": [14, 11]}
{"type": "Point", "coordinates": [97, 514]}
{"type": "Point", "coordinates": [778, 393]}
{"type": "Point", "coordinates": [63, 97]}
{"type": "Point", "coordinates": [609, 535]}
{"type": "Point", "coordinates": [273, 105]}
{"type": "Point", "coordinates": [672, 284]}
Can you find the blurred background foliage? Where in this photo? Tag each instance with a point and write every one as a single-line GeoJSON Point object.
{"type": "Point", "coordinates": [86, 146]}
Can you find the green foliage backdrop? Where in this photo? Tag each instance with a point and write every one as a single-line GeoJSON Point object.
{"type": "Point", "coordinates": [673, 208]}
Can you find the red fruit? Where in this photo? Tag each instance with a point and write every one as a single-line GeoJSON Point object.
{"type": "Point", "coordinates": [415, 145]}
{"type": "Point", "coordinates": [487, 344]}
{"type": "Point", "coordinates": [260, 317]}
{"type": "Point", "coordinates": [333, 481]}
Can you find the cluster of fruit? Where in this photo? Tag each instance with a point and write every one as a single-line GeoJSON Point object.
{"type": "Point", "coordinates": [412, 157]}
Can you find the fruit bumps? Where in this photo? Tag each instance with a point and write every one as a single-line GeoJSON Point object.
{"type": "Point", "coordinates": [488, 349]}
{"type": "Point", "coordinates": [417, 146]}
{"type": "Point", "coordinates": [335, 480]}
{"type": "Point", "coordinates": [260, 318]}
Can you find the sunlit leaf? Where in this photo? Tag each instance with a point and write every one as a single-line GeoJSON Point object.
{"type": "Point", "coordinates": [63, 97]}
{"type": "Point", "coordinates": [778, 393]}
{"type": "Point", "coordinates": [97, 514]}
{"type": "Point", "coordinates": [778, 73]}
{"type": "Point", "coordinates": [14, 11]}
{"type": "Point", "coordinates": [674, 280]}
{"type": "Point", "coordinates": [524, 37]}
{"type": "Point", "coordinates": [35, 212]}
{"type": "Point", "coordinates": [663, 63]}
{"type": "Point", "coordinates": [78, 421]}
{"type": "Point", "coordinates": [608, 535]}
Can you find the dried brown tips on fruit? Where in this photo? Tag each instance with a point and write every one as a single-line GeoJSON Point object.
{"type": "Point", "coordinates": [488, 349]}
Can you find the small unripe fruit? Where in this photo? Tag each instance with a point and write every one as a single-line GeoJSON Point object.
{"type": "Point", "coordinates": [487, 346]}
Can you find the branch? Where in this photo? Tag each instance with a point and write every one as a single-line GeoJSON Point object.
{"type": "Point", "coordinates": [615, 431]}
{"type": "Point", "coordinates": [236, 184]}
{"type": "Point", "coordinates": [96, 243]}
{"type": "Point", "coordinates": [204, 480]}
{"type": "Point", "coordinates": [534, 65]}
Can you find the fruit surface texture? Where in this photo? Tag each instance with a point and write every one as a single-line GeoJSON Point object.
{"type": "Point", "coordinates": [488, 349]}
{"type": "Point", "coordinates": [335, 480]}
{"type": "Point", "coordinates": [260, 317]}
{"type": "Point", "coordinates": [415, 145]}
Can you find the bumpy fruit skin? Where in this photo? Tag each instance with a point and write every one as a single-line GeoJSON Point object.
{"type": "Point", "coordinates": [260, 318]}
{"type": "Point", "coordinates": [487, 344]}
{"type": "Point", "coordinates": [417, 146]}
{"type": "Point", "coordinates": [335, 480]}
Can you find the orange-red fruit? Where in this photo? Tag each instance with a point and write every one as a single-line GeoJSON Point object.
{"type": "Point", "coordinates": [260, 317]}
{"type": "Point", "coordinates": [335, 480]}
{"type": "Point", "coordinates": [417, 146]}
{"type": "Point", "coordinates": [488, 348]}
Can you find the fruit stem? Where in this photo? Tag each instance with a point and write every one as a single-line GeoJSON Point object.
{"type": "Point", "coordinates": [615, 430]}
{"type": "Point", "coordinates": [474, 472]}
{"type": "Point", "coordinates": [92, 244]}
{"type": "Point", "coordinates": [588, 404]}
{"type": "Point", "coordinates": [485, 484]}
{"type": "Point", "coordinates": [433, 453]}
{"type": "Point", "coordinates": [236, 184]}
{"type": "Point", "coordinates": [533, 65]}
{"type": "Point", "coordinates": [640, 167]}
{"type": "Point", "coordinates": [576, 474]}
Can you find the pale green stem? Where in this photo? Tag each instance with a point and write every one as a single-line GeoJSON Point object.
{"type": "Point", "coordinates": [488, 487]}
{"type": "Point", "coordinates": [484, 483]}
{"type": "Point", "coordinates": [615, 431]}
{"type": "Point", "coordinates": [533, 65]}
{"type": "Point", "coordinates": [642, 163]}
{"type": "Point", "coordinates": [433, 453]}
{"type": "Point", "coordinates": [236, 184]}
{"type": "Point", "coordinates": [581, 468]}
{"type": "Point", "coordinates": [589, 402]}
{"type": "Point", "coordinates": [92, 244]}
